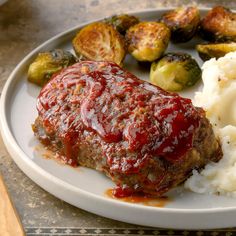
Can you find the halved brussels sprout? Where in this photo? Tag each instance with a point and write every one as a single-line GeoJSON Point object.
{"type": "Point", "coordinates": [122, 22]}
{"type": "Point", "coordinates": [147, 41]}
{"type": "Point", "coordinates": [208, 51]}
{"type": "Point", "coordinates": [219, 25]}
{"type": "Point", "coordinates": [48, 63]}
{"type": "Point", "coordinates": [175, 71]}
{"type": "Point", "coordinates": [183, 23]}
{"type": "Point", "coordinates": [100, 42]}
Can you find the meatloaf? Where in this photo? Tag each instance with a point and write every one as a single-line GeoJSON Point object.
{"type": "Point", "coordinates": [147, 140]}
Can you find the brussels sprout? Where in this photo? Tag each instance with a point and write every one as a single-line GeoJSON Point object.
{"type": "Point", "coordinates": [48, 63]}
{"type": "Point", "coordinates": [147, 41]}
{"type": "Point", "coordinates": [207, 51]}
{"type": "Point", "coordinates": [219, 25]}
{"type": "Point", "coordinates": [122, 22]}
{"type": "Point", "coordinates": [183, 23]}
{"type": "Point", "coordinates": [175, 71]}
{"type": "Point", "coordinates": [100, 42]}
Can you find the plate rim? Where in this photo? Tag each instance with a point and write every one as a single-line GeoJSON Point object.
{"type": "Point", "coordinates": [16, 152]}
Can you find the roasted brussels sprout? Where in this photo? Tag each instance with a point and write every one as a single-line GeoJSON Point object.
{"type": "Point", "coordinates": [48, 63]}
{"type": "Point", "coordinates": [100, 42]}
{"type": "Point", "coordinates": [183, 23]}
{"type": "Point", "coordinates": [175, 71]}
{"type": "Point", "coordinates": [208, 51]}
{"type": "Point", "coordinates": [219, 25]}
{"type": "Point", "coordinates": [147, 41]}
{"type": "Point", "coordinates": [122, 22]}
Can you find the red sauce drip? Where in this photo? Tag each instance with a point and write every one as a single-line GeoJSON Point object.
{"type": "Point", "coordinates": [135, 120]}
{"type": "Point", "coordinates": [140, 198]}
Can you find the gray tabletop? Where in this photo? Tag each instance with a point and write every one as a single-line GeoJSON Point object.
{"type": "Point", "coordinates": [25, 24]}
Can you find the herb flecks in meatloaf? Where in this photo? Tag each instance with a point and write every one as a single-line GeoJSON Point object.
{"type": "Point", "coordinates": [147, 140]}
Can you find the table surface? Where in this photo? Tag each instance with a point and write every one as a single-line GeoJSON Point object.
{"type": "Point", "coordinates": [25, 24]}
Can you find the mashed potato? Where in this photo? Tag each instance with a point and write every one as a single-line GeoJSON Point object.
{"type": "Point", "coordinates": [218, 98]}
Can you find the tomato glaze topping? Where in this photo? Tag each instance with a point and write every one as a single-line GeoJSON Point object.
{"type": "Point", "coordinates": [128, 115]}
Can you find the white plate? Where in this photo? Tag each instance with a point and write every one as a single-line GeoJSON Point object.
{"type": "Point", "coordinates": [84, 187]}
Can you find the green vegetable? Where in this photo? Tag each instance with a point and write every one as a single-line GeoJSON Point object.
{"type": "Point", "coordinates": [122, 22]}
{"type": "Point", "coordinates": [147, 41]}
{"type": "Point", "coordinates": [175, 71]}
{"type": "Point", "coordinates": [208, 51]}
{"type": "Point", "coordinates": [48, 63]}
{"type": "Point", "coordinates": [183, 23]}
{"type": "Point", "coordinates": [99, 42]}
{"type": "Point", "coordinates": [219, 25]}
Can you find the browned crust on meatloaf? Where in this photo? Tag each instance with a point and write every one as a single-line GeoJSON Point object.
{"type": "Point", "coordinates": [60, 102]}
{"type": "Point", "coordinates": [206, 148]}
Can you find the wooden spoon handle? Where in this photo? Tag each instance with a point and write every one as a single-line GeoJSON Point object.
{"type": "Point", "coordinates": [10, 223]}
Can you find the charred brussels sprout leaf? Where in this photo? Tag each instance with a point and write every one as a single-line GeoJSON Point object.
{"type": "Point", "coordinates": [175, 71]}
{"type": "Point", "coordinates": [122, 22]}
{"type": "Point", "coordinates": [147, 41]}
{"type": "Point", "coordinates": [219, 25]}
{"type": "Point", "coordinates": [183, 23]}
{"type": "Point", "coordinates": [208, 51]}
{"type": "Point", "coordinates": [48, 63]}
{"type": "Point", "coordinates": [100, 42]}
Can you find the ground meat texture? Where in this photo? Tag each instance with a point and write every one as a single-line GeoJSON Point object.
{"type": "Point", "coordinates": [147, 140]}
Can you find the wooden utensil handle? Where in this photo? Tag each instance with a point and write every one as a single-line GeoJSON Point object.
{"type": "Point", "coordinates": [10, 224]}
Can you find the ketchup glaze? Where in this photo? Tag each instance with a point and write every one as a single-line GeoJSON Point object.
{"type": "Point", "coordinates": [133, 119]}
